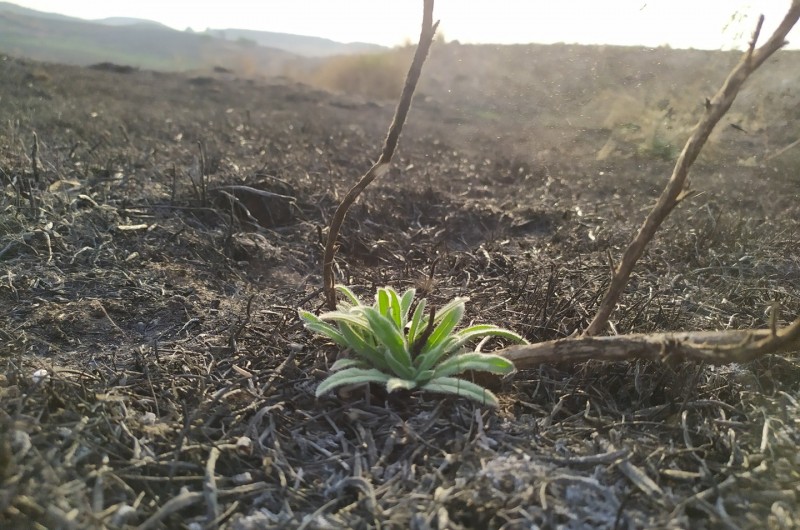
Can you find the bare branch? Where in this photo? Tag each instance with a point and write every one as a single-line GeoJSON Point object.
{"type": "Point", "coordinates": [676, 187]}
{"type": "Point", "coordinates": [714, 347]}
{"type": "Point", "coordinates": [390, 144]}
{"type": "Point", "coordinates": [754, 39]}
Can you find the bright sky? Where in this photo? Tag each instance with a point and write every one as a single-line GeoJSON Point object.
{"type": "Point", "coordinates": [679, 23]}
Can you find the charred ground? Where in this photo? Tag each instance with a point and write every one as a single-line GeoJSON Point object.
{"type": "Point", "coordinates": [167, 321]}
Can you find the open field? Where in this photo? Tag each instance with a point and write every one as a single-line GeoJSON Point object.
{"type": "Point", "coordinates": [180, 382]}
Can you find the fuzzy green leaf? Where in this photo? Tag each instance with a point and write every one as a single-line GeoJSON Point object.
{"type": "Point", "coordinates": [459, 387]}
{"type": "Point", "coordinates": [347, 362]}
{"type": "Point", "coordinates": [313, 323]}
{"type": "Point", "coordinates": [395, 311]}
{"type": "Point", "coordinates": [351, 376]}
{"type": "Point", "coordinates": [479, 362]}
{"type": "Point", "coordinates": [362, 346]}
{"type": "Point", "coordinates": [431, 358]}
{"type": "Point", "coordinates": [423, 376]}
{"type": "Point", "coordinates": [449, 306]}
{"type": "Point", "coordinates": [450, 317]}
{"type": "Point", "coordinates": [482, 330]}
{"type": "Point", "coordinates": [307, 316]}
{"type": "Point", "coordinates": [382, 302]}
{"type": "Point", "coordinates": [397, 366]}
{"type": "Point", "coordinates": [354, 317]}
{"type": "Point", "coordinates": [416, 320]}
{"type": "Point", "coordinates": [390, 336]}
{"type": "Point", "coordinates": [350, 295]}
{"type": "Point", "coordinates": [396, 383]}
{"type": "Point", "coordinates": [405, 305]}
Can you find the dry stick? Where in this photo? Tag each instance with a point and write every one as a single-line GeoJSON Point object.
{"type": "Point", "coordinates": [35, 157]}
{"type": "Point", "coordinates": [35, 170]}
{"type": "Point", "coordinates": [203, 181]}
{"type": "Point", "coordinates": [389, 145]}
{"type": "Point", "coordinates": [210, 486]}
{"type": "Point", "coordinates": [713, 347]}
{"type": "Point", "coordinates": [676, 188]}
{"type": "Point", "coordinates": [174, 185]}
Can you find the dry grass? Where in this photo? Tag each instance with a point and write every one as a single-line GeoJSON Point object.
{"type": "Point", "coordinates": [377, 76]}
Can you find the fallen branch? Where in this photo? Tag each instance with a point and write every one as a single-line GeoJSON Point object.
{"type": "Point", "coordinates": [677, 187]}
{"type": "Point", "coordinates": [389, 145]}
{"type": "Point", "coordinates": [713, 347]}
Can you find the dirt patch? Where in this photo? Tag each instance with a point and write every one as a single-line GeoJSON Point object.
{"type": "Point", "coordinates": [179, 384]}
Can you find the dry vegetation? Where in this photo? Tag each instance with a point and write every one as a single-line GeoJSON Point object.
{"type": "Point", "coordinates": [376, 76]}
{"type": "Point", "coordinates": [180, 383]}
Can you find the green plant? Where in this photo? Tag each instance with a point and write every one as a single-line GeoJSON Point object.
{"type": "Point", "coordinates": [391, 344]}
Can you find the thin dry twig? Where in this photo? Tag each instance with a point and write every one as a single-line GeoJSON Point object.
{"type": "Point", "coordinates": [390, 144]}
{"type": "Point", "coordinates": [29, 187]}
{"type": "Point", "coordinates": [634, 473]}
{"type": "Point", "coordinates": [108, 317]}
{"type": "Point", "coordinates": [203, 177]}
{"type": "Point", "coordinates": [35, 158]}
{"type": "Point", "coordinates": [677, 187]}
{"type": "Point", "coordinates": [782, 150]}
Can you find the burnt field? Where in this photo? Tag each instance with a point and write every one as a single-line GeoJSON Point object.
{"type": "Point", "coordinates": [154, 372]}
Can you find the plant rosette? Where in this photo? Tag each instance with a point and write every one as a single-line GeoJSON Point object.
{"type": "Point", "coordinates": [392, 345]}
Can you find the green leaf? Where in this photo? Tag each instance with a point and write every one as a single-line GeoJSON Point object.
{"type": "Point", "coordinates": [431, 358]}
{"type": "Point", "coordinates": [349, 294]}
{"type": "Point", "coordinates": [382, 302]}
{"type": "Point", "coordinates": [416, 320]}
{"type": "Point", "coordinates": [395, 311]}
{"type": "Point", "coordinates": [329, 331]}
{"type": "Point", "coordinates": [307, 316]}
{"type": "Point", "coordinates": [313, 323]}
{"type": "Point", "coordinates": [351, 376]}
{"type": "Point", "coordinates": [459, 387]}
{"type": "Point", "coordinates": [479, 362]}
{"type": "Point", "coordinates": [450, 317]}
{"type": "Point", "coordinates": [362, 347]}
{"type": "Point", "coordinates": [347, 362]}
{"type": "Point", "coordinates": [481, 330]}
{"type": "Point", "coordinates": [390, 336]}
{"type": "Point", "coordinates": [423, 376]}
{"type": "Point", "coordinates": [449, 306]}
{"type": "Point", "coordinates": [405, 306]}
{"type": "Point", "coordinates": [397, 366]}
{"type": "Point", "coordinates": [353, 317]}
{"type": "Point", "coordinates": [396, 383]}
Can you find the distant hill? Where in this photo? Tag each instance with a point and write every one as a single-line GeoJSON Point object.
{"type": "Point", "coordinates": [138, 43]}
{"type": "Point", "coordinates": [6, 7]}
{"type": "Point", "coordinates": [298, 44]}
{"type": "Point", "coordinates": [126, 21]}
{"type": "Point", "coordinates": [150, 45]}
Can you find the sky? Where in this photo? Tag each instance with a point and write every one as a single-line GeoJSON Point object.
{"type": "Point", "coordinates": [705, 24]}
